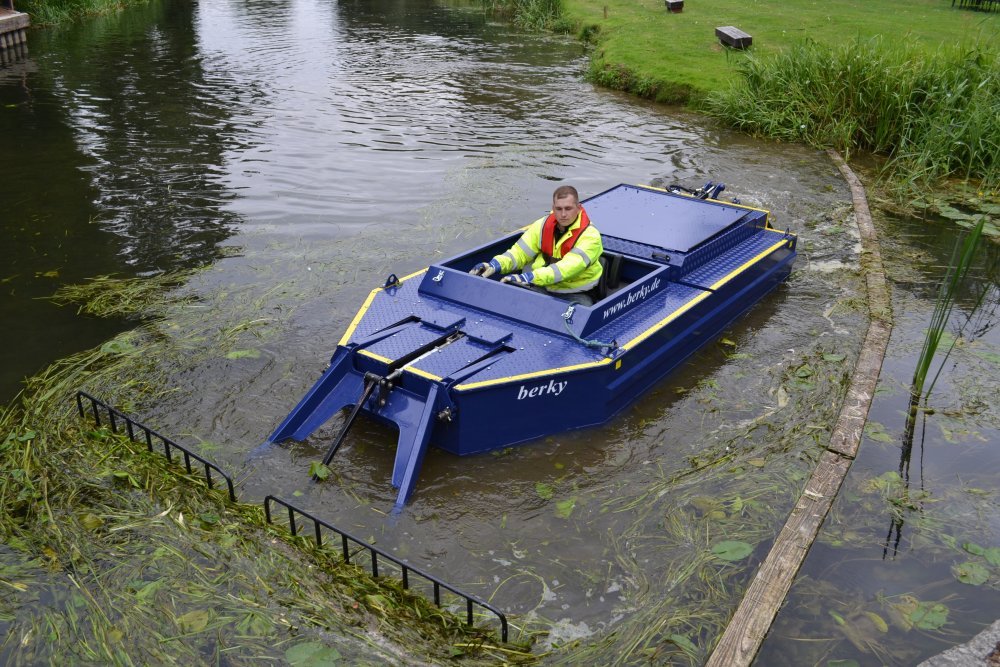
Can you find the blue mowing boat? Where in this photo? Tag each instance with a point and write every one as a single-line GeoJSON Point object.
{"type": "Point", "coordinates": [471, 364]}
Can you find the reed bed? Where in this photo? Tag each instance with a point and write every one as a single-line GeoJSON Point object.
{"type": "Point", "coordinates": [528, 14]}
{"type": "Point", "coordinates": [935, 116]}
{"type": "Point", "coordinates": [955, 278]}
{"type": "Point", "coordinates": [52, 12]}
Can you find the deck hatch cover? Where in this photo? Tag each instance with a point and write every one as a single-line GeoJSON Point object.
{"type": "Point", "coordinates": [660, 219]}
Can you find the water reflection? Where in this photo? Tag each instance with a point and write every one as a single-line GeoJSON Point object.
{"type": "Point", "coordinates": [152, 130]}
{"type": "Point", "coordinates": [118, 139]}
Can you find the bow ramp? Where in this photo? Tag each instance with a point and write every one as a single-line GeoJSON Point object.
{"type": "Point", "coordinates": [381, 375]}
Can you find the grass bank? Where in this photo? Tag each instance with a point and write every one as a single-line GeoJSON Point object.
{"type": "Point", "coordinates": [53, 12]}
{"type": "Point", "coordinates": [642, 48]}
{"type": "Point", "coordinates": [917, 81]}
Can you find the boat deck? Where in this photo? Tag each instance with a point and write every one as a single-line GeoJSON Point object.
{"type": "Point", "coordinates": [534, 350]}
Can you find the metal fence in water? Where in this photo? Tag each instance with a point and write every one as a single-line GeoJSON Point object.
{"type": "Point", "coordinates": [115, 419]}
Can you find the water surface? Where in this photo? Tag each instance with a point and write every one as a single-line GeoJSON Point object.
{"type": "Point", "coordinates": [305, 150]}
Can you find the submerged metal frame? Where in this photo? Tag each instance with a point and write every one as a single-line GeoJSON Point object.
{"type": "Point", "coordinates": [131, 425]}
{"type": "Point", "coordinates": [346, 539]}
{"type": "Point", "coordinates": [168, 445]}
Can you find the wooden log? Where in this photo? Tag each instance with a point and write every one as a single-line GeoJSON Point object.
{"type": "Point", "coordinates": [733, 37]}
{"type": "Point", "coordinates": [745, 633]}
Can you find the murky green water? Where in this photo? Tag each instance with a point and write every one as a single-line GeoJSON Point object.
{"type": "Point", "coordinates": [316, 147]}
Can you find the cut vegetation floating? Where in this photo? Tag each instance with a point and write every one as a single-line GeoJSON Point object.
{"type": "Point", "coordinates": [92, 510]}
{"type": "Point", "coordinates": [111, 558]}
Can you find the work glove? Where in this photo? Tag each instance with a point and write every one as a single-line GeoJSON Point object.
{"type": "Point", "coordinates": [519, 279]}
{"type": "Point", "coordinates": [485, 269]}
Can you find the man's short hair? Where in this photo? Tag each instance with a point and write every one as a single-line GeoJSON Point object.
{"type": "Point", "coordinates": [566, 191]}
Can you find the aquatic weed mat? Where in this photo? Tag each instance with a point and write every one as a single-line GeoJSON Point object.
{"type": "Point", "coordinates": [115, 559]}
{"type": "Point", "coordinates": [110, 558]}
{"type": "Point", "coordinates": [674, 547]}
{"type": "Point", "coordinates": [680, 539]}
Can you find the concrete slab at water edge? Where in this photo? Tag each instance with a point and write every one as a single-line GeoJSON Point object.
{"type": "Point", "coordinates": [983, 650]}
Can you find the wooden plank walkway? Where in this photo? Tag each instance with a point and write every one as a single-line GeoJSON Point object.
{"type": "Point", "coordinates": [766, 593]}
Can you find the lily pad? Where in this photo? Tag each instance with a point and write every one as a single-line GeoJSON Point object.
{"type": "Point", "coordinates": [993, 556]}
{"type": "Point", "coordinates": [565, 507]}
{"type": "Point", "coordinates": [834, 357]}
{"type": "Point", "coordinates": [318, 470]}
{"type": "Point", "coordinates": [194, 621]}
{"type": "Point", "coordinates": [312, 654]}
{"type": "Point", "coordinates": [544, 491]}
{"type": "Point", "coordinates": [929, 615]}
{"type": "Point", "coordinates": [877, 432]}
{"type": "Point", "coordinates": [732, 550]}
{"type": "Point", "coordinates": [974, 574]}
{"type": "Point", "coordinates": [974, 548]}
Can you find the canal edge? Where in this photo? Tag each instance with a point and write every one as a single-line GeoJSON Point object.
{"type": "Point", "coordinates": [752, 619]}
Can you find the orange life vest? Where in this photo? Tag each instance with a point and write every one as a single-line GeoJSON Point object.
{"type": "Point", "coordinates": [549, 233]}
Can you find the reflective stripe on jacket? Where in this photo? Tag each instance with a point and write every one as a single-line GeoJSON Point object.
{"type": "Point", "coordinates": [577, 271]}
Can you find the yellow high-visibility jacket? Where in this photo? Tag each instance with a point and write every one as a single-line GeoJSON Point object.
{"type": "Point", "coordinates": [578, 270]}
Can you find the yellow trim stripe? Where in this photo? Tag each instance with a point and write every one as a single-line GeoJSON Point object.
{"type": "Point", "coordinates": [423, 374]}
{"type": "Point", "coordinates": [408, 369]}
{"type": "Point", "coordinates": [665, 321]}
{"type": "Point", "coordinates": [367, 304]}
{"type": "Point", "coordinates": [376, 357]}
{"type": "Point", "coordinates": [638, 339]}
{"type": "Point", "coordinates": [526, 376]}
{"type": "Point", "coordinates": [415, 273]}
{"type": "Point", "coordinates": [357, 318]}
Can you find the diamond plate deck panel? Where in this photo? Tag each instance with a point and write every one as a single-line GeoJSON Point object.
{"type": "Point", "coordinates": [716, 269]}
{"type": "Point", "coordinates": [402, 343]}
{"type": "Point", "coordinates": [452, 357]}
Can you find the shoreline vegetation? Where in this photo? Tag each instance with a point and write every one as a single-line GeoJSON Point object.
{"type": "Point", "coordinates": [53, 12]}
{"type": "Point", "coordinates": [915, 83]}
{"type": "Point", "coordinates": [109, 557]}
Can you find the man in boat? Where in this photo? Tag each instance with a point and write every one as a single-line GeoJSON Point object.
{"type": "Point", "coordinates": [560, 252]}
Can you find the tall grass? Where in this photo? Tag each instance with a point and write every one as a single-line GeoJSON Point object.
{"type": "Point", "coordinates": [51, 12]}
{"type": "Point", "coordinates": [530, 14]}
{"type": "Point", "coordinates": [935, 116]}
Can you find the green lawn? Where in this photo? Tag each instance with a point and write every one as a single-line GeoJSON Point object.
{"type": "Point", "coordinates": [642, 48]}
